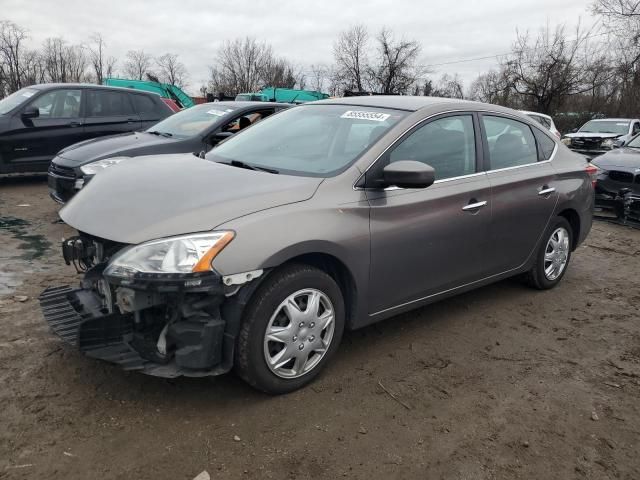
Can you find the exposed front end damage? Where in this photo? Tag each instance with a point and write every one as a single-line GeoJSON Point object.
{"type": "Point", "coordinates": [166, 325]}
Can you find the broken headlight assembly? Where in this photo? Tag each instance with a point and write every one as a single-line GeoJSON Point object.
{"type": "Point", "coordinates": [181, 255]}
{"type": "Point", "coordinates": [97, 166]}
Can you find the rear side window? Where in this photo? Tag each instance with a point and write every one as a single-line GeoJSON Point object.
{"type": "Point", "coordinates": [446, 144]}
{"type": "Point", "coordinates": [144, 105]}
{"type": "Point", "coordinates": [511, 143]}
{"type": "Point", "coordinates": [545, 145]}
{"type": "Point", "coordinates": [108, 103]}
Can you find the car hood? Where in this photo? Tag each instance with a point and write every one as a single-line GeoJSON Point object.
{"type": "Point", "coordinates": [97, 148]}
{"type": "Point", "coordinates": [163, 195]}
{"type": "Point", "coordinates": [593, 135]}
{"type": "Point", "coordinates": [620, 158]}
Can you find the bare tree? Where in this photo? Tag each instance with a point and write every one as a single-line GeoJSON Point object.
{"type": "Point", "coordinates": [318, 77]}
{"type": "Point", "coordinates": [279, 73]}
{"type": "Point", "coordinates": [97, 57]}
{"type": "Point", "coordinates": [449, 86]}
{"type": "Point", "coordinates": [493, 87]}
{"type": "Point", "coordinates": [63, 63]}
{"type": "Point", "coordinates": [240, 66]}
{"type": "Point", "coordinates": [546, 70]}
{"type": "Point", "coordinates": [137, 64]}
{"type": "Point", "coordinates": [12, 38]}
{"type": "Point", "coordinates": [394, 70]}
{"type": "Point", "coordinates": [350, 55]}
{"type": "Point", "coordinates": [171, 70]}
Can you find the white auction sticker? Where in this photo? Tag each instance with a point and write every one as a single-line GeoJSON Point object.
{"type": "Point", "coordinates": [218, 113]}
{"type": "Point", "coordinates": [361, 115]}
{"type": "Point", "coordinates": [28, 94]}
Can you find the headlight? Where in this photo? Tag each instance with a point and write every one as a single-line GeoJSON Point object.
{"type": "Point", "coordinates": [608, 142]}
{"type": "Point", "coordinates": [98, 166]}
{"type": "Point", "coordinates": [566, 141]}
{"type": "Point", "coordinates": [183, 254]}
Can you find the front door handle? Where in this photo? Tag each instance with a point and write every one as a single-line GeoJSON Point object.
{"type": "Point", "coordinates": [546, 191]}
{"type": "Point", "coordinates": [474, 206]}
{"type": "Point", "coordinates": [75, 124]}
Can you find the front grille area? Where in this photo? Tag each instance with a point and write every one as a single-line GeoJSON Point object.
{"type": "Point", "coordinates": [587, 143]}
{"type": "Point", "coordinates": [620, 176]}
{"type": "Point", "coordinates": [65, 172]}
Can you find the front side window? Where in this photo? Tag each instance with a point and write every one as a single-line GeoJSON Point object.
{"type": "Point", "coordinates": [58, 104]}
{"type": "Point", "coordinates": [446, 144]}
{"type": "Point", "coordinates": [192, 121]}
{"type": "Point", "coordinates": [511, 143]}
{"type": "Point", "coordinates": [108, 103]}
{"type": "Point", "coordinates": [309, 140]}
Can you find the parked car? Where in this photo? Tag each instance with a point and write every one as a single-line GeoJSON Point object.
{"type": "Point", "coordinates": [545, 120]}
{"type": "Point", "coordinates": [600, 136]}
{"type": "Point", "coordinates": [38, 121]}
{"type": "Point", "coordinates": [194, 130]}
{"type": "Point", "coordinates": [330, 215]}
{"type": "Point", "coordinates": [618, 174]}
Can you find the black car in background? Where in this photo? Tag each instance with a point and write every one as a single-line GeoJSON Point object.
{"type": "Point", "coordinates": [195, 130]}
{"type": "Point", "coordinates": [38, 121]}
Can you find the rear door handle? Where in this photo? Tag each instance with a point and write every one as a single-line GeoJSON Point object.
{"type": "Point", "coordinates": [474, 206]}
{"type": "Point", "coordinates": [130, 120]}
{"type": "Point", "coordinates": [546, 191]}
{"type": "Point", "coordinates": [75, 124]}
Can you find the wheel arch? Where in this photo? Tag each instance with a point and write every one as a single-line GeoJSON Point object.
{"type": "Point", "coordinates": [331, 263]}
{"type": "Point", "coordinates": [572, 216]}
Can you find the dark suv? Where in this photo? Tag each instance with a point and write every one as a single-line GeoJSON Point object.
{"type": "Point", "coordinates": [38, 121]}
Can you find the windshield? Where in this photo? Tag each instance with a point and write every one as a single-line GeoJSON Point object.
{"type": "Point", "coordinates": [192, 121]}
{"type": "Point", "coordinates": [17, 98]}
{"type": "Point", "coordinates": [605, 126]}
{"type": "Point", "coordinates": [635, 143]}
{"type": "Point", "coordinates": [311, 140]}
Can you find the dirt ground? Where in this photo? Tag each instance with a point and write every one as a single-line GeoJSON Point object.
{"type": "Point", "coordinates": [501, 383]}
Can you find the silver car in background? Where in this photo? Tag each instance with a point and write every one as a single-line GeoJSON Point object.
{"type": "Point", "coordinates": [545, 120]}
{"type": "Point", "coordinates": [331, 215]}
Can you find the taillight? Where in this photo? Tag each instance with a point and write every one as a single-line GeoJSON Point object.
{"type": "Point", "coordinates": [592, 170]}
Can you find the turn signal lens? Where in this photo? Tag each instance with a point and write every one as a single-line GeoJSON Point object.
{"type": "Point", "coordinates": [204, 264]}
{"type": "Point", "coordinates": [592, 170]}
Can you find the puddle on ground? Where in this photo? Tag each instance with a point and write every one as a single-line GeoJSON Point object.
{"type": "Point", "coordinates": [34, 246]}
{"type": "Point", "coordinates": [16, 256]}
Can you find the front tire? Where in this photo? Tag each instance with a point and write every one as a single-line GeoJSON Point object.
{"type": "Point", "coordinates": [291, 328]}
{"type": "Point", "coordinates": [552, 258]}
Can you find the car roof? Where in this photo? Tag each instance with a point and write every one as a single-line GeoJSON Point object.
{"type": "Point", "coordinates": [407, 102]}
{"type": "Point", "coordinates": [52, 86]}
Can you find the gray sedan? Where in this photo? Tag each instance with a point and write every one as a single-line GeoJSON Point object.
{"type": "Point", "coordinates": [331, 215]}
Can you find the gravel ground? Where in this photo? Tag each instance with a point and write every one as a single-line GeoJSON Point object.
{"type": "Point", "coordinates": [501, 383]}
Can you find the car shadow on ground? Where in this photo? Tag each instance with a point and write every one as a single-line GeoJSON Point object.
{"type": "Point", "coordinates": [356, 346]}
{"type": "Point", "coordinates": [34, 179]}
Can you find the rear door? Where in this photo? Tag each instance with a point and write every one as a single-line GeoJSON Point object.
{"type": "Point", "coordinates": [33, 142]}
{"type": "Point", "coordinates": [109, 112]}
{"type": "Point", "coordinates": [426, 241]}
{"type": "Point", "coordinates": [523, 191]}
{"type": "Point", "coordinates": [149, 111]}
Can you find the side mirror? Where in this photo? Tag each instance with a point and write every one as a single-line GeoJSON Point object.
{"type": "Point", "coordinates": [409, 174]}
{"type": "Point", "coordinates": [31, 112]}
{"type": "Point", "coordinates": [573, 130]}
{"type": "Point", "coordinates": [216, 138]}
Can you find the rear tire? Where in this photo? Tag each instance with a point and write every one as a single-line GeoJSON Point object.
{"type": "Point", "coordinates": [291, 329]}
{"type": "Point", "coordinates": [553, 255]}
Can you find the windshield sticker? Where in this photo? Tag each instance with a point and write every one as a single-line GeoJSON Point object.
{"type": "Point", "coordinates": [28, 94]}
{"type": "Point", "coordinates": [217, 113]}
{"type": "Point", "coordinates": [360, 115]}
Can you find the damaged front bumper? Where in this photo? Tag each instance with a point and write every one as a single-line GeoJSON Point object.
{"type": "Point", "coordinates": [157, 324]}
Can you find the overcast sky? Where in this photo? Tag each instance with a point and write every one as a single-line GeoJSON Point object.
{"type": "Point", "coordinates": [302, 31]}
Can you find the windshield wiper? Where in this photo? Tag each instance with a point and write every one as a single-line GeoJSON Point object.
{"type": "Point", "coordinates": [240, 164]}
{"type": "Point", "coordinates": [161, 134]}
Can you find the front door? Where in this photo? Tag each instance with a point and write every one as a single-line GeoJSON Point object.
{"type": "Point", "coordinates": [522, 191]}
{"type": "Point", "coordinates": [34, 142]}
{"type": "Point", "coordinates": [427, 241]}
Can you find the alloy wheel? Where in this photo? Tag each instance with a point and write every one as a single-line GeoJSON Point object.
{"type": "Point", "coordinates": [556, 254]}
